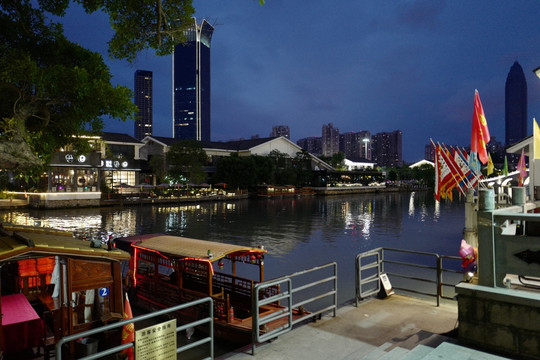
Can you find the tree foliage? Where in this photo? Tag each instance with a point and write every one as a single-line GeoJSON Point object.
{"type": "Point", "coordinates": [54, 91]}
{"type": "Point", "coordinates": [185, 161]}
{"type": "Point", "coordinates": [277, 168]}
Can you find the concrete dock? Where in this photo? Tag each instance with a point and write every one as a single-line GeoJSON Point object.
{"type": "Point", "coordinates": [397, 327]}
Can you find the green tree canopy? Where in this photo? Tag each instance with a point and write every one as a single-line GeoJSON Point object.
{"type": "Point", "coordinates": [54, 91]}
{"type": "Point", "coordinates": [185, 161]}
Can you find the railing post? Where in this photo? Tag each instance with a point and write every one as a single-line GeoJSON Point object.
{"type": "Point", "coordinates": [439, 280]}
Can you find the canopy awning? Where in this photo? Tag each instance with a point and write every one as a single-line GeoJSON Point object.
{"type": "Point", "coordinates": [183, 247]}
{"type": "Point", "coordinates": [25, 241]}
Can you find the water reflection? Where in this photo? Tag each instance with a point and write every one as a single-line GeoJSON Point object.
{"type": "Point", "coordinates": [299, 233]}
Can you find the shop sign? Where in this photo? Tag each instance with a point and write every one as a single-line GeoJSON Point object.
{"type": "Point", "coordinates": [71, 159]}
{"type": "Point", "coordinates": [115, 164]}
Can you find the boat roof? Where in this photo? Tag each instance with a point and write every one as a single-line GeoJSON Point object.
{"type": "Point", "coordinates": [183, 247]}
{"type": "Point", "coordinates": [17, 242]}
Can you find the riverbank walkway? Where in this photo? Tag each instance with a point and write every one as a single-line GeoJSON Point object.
{"type": "Point", "coordinates": [397, 327]}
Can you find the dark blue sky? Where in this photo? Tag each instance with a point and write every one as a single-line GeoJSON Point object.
{"type": "Point", "coordinates": [361, 65]}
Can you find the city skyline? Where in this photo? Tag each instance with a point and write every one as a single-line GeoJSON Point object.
{"type": "Point", "coordinates": [412, 66]}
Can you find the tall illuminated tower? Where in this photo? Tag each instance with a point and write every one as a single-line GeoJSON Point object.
{"type": "Point", "coordinates": [515, 101]}
{"type": "Point", "coordinates": [191, 84]}
{"type": "Point", "coordinates": [143, 101]}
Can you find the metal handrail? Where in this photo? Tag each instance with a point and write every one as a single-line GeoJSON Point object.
{"type": "Point", "coordinates": [206, 320]}
{"type": "Point", "coordinates": [377, 267]}
{"type": "Point", "coordinates": [286, 296]}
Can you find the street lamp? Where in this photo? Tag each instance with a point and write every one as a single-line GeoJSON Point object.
{"type": "Point", "coordinates": [366, 141]}
{"type": "Point", "coordinates": [537, 71]}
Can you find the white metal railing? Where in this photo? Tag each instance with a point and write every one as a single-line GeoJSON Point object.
{"type": "Point", "coordinates": [428, 269]}
{"type": "Point", "coordinates": [294, 298]}
{"type": "Point", "coordinates": [209, 340]}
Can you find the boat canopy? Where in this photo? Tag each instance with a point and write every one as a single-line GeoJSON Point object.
{"type": "Point", "coordinates": [22, 242]}
{"type": "Point", "coordinates": [183, 247]}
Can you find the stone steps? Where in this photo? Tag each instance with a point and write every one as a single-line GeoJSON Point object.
{"type": "Point", "coordinates": [444, 350]}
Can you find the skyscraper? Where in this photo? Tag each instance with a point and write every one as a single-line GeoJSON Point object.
{"type": "Point", "coordinates": [281, 130]}
{"type": "Point", "coordinates": [143, 101]}
{"type": "Point", "coordinates": [330, 140]}
{"type": "Point", "coordinates": [515, 101]}
{"type": "Point", "coordinates": [387, 149]}
{"type": "Point", "coordinates": [355, 145]}
{"type": "Point", "coordinates": [191, 84]}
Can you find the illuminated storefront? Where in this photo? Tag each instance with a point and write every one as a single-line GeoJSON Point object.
{"type": "Point", "coordinates": [69, 172]}
{"type": "Point", "coordinates": [119, 172]}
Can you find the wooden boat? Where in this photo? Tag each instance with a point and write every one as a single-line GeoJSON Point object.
{"type": "Point", "coordinates": [54, 285]}
{"type": "Point", "coordinates": [171, 270]}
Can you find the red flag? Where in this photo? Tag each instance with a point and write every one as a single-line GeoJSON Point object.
{"type": "Point", "coordinates": [128, 330]}
{"type": "Point", "coordinates": [480, 132]}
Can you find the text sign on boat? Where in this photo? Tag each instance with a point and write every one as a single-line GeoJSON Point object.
{"type": "Point", "coordinates": [156, 342]}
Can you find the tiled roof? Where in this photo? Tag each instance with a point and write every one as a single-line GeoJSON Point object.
{"type": "Point", "coordinates": [119, 137]}
{"type": "Point", "coordinates": [235, 145]}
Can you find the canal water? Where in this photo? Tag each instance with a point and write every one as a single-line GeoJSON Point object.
{"type": "Point", "coordinates": [298, 233]}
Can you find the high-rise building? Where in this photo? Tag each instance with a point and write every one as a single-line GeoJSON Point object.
{"type": "Point", "coordinates": [515, 102]}
{"type": "Point", "coordinates": [143, 101]}
{"type": "Point", "coordinates": [330, 140]}
{"type": "Point", "coordinates": [356, 145]}
{"type": "Point", "coordinates": [281, 130]}
{"type": "Point", "coordinates": [387, 149]}
{"type": "Point", "coordinates": [191, 84]}
{"type": "Point", "coordinates": [312, 145]}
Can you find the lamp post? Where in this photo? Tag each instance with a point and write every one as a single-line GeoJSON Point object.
{"type": "Point", "coordinates": [366, 142]}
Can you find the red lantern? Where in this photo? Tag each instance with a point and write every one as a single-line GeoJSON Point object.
{"type": "Point", "coordinates": [220, 264]}
{"type": "Point", "coordinates": [252, 257]}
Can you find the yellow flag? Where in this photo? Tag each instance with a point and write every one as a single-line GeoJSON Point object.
{"type": "Point", "coordinates": [490, 165]}
{"type": "Point", "coordinates": [536, 137]}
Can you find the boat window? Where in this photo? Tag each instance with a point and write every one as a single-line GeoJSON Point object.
{"type": "Point", "coordinates": [146, 268]}
{"type": "Point", "coordinates": [90, 305]}
{"type": "Point", "coordinates": [165, 272]}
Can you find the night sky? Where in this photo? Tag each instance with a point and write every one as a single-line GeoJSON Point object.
{"type": "Point", "coordinates": [361, 65]}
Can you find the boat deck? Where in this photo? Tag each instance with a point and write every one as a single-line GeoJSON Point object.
{"type": "Point", "coordinates": [389, 328]}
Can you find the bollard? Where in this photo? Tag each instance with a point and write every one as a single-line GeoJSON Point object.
{"type": "Point", "coordinates": [486, 199]}
{"type": "Point", "coordinates": [518, 195]}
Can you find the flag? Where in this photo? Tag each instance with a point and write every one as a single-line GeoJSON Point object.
{"type": "Point", "coordinates": [536, 137]}
{"type": "Point", "coordinates": [449, 176]}
{"type": "Point", "coordinates": [480, 132]}
{"type": "Point", "coordinates": [128, 330]}
{"type": "Point", "coordinates": [521, 167]}
{"type": "Point", "coordinates": [460, 158]}
{"type": "Point", "coordinates": [474, 164]}
{"type": "Point", "coordinates": [437, 174]}
{"type": "Point", "coordinates": [443, 175]}
{"type": "Point", "coordinates": [505, 168]}
{"type": "Point", "coordinates": [490, 166]}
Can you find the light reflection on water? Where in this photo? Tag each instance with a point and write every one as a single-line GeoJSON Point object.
{"type": "Point", "coordinates": [298, 233]}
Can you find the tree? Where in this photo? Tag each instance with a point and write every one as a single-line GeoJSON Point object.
{"type": "Point", "coordinates": [55, 91]}
{"type": "Point", "coordinates": [157, 164]}
{"type": "Point", "coordinates": [302, 166]}
{"type": "Point", "coordinates": [237, 172]}
{"type": "Point", "coordinates": [185, 161]}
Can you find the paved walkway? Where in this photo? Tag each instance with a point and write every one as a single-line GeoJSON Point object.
{"type": "Point", "coordinates": [377, 328]}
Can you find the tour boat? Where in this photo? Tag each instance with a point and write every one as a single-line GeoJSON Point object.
{"type": "Point", "coordinates": [170, 270]}
{"type": "Point", "coordinates": [54, 285]}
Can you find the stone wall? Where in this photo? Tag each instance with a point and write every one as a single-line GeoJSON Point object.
{"type": "Point", "coordinates": [64, 200]}
{"type": "Point", "coordinates": [500, 320]}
